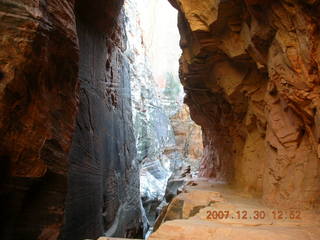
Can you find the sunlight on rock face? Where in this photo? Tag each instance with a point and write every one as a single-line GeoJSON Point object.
{"type": "Point", "coordinates": [157, 95]}
{"type": "Point", "coordinates": [161, 38]}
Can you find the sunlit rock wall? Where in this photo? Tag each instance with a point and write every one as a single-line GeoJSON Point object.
{"type": "Point", "coordinates": [161, 38]}
{"type": "Point", "coordinates": [250, 70]}
{"type": "Point", "coordinates": [188, 136]}
{"type": "Point", "coordinates": [162, 145]}
{"type": "Point", "coordinates": [152, 125]}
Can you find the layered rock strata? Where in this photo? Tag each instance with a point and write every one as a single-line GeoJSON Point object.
{"type": "Point", "coordinates": [38, 103]}
{"type": "Point", "coordinates": [250, 73]}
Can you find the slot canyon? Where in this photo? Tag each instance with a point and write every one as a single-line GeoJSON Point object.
{"type": "Point", "coordinates": [160, 119]}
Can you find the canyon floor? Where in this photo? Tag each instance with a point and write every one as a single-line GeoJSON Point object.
{"type": "Point", "coordinates": [210, 198]}
{"type": "Point", "coordinates": [207, 210]}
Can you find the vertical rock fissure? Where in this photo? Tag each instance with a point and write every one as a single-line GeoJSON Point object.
{"type": "Point", "coordinates": [167, 139]}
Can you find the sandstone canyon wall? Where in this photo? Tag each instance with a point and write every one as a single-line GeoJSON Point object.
{"type": "Point", "coordinates": [153, 99]}
{"type": "Point", "coordinates": [250, 70]}
{"type": "Point", "coordinates": [55, 55]}
{"type": "Point", "coordinates": [38, 103]}
{"type": "Point", "coordinates": [103, 173]}
{"type": "Point", "coordinates": [68, 165]}
{"type": "Point", "coordinates": [188, 136]}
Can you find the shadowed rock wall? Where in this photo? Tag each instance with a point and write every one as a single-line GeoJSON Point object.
{"type": "Point", "coordinates": [103, 173]}
{"type": "Point", "coordinates": [38, 103]}
{"type": "Point", "coordinates": [46, 46]}
{"type": "Point", "coordinates": [250, 70]}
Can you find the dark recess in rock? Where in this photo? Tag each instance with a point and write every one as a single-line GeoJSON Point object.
{"type": "Point", "coordinates": [1, 75]}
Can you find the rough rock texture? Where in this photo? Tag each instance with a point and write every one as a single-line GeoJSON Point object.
{"type": "Point", "coordinates": [38, 103]}
{"type": "Point", "coordinates": [39, 56]}
{"type": "Point", "coordinates": [191, 215]}
{"type": "Point", "coordinates": [103, 174]}
{"type": "Point", "coordinates": [250, 73]}
{"type": "Point", "coordinates": [45, 46]}
{"type": "Point", "coordinates": [152, 129]}
{"type": "Point", "coordinates": [188, 136]}
{"type": "Point", "coordinates": [155, 141]}
{"type": "Point", "coordinates": [186, 205]}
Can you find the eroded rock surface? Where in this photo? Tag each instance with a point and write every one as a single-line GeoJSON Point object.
{"type": "Point", "coordinates": [188, 136]}
{"type": "Point", "coordinates": [103, 173]}
{"type": "Point", "coordinates": [55, 55]}
{"type": "Point", "coordinates": [151, 124]}
{"type": "Point", "coordinates": [214, 211]}
{"type": "Point", "coordinates": [250, 73]}
{"type": "Point", "coordinates": [38, 103]}
{"type": "Point", "coordinates": [39, 57]}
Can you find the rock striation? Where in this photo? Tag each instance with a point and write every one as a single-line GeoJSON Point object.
{"type": "Point", "coordinates": [38, 104]}
{"type": "Point", "coordinates": [250, 70]}
{"type": "Point", "coordinates": [103, 176]}
{"type": "Point", "coordinates": [67, 149]}
{"type": "Point", "coordinates": [68, 163]}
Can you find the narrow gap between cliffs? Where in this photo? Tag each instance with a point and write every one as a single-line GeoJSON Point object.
{"type": "Point", "coordinates": [168, 142]}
